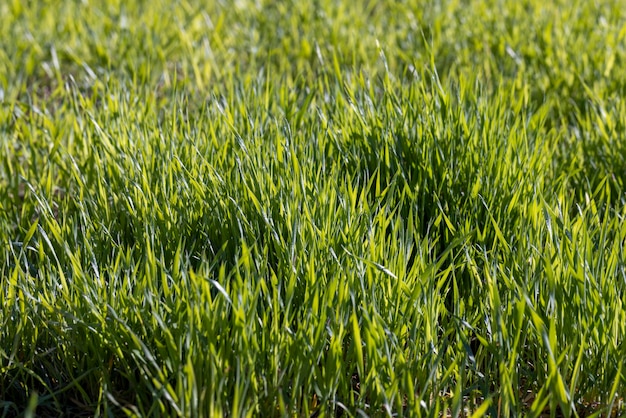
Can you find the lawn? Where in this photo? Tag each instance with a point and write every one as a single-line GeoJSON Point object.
{"type": "Point", "coordinates": [325, 208]}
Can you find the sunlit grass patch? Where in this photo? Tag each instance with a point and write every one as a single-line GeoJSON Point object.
{"type": "Point", "coordinates": [312, 209]}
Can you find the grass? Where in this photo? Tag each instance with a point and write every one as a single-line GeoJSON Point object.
{"type": "Point", "coordinates": [312, 208]}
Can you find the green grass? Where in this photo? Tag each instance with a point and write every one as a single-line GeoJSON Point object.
{"type": "Point", "coordinates": [312, 208]}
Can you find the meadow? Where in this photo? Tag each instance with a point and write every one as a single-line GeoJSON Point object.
{"type": "Point", "coordinates": [325, 208]}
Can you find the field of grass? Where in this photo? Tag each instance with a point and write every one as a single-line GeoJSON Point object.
{"type": "Point", "coordinates": [324, 208]}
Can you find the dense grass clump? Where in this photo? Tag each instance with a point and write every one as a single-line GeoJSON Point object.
{"type": "Point", "coordinates": [260, 208]}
